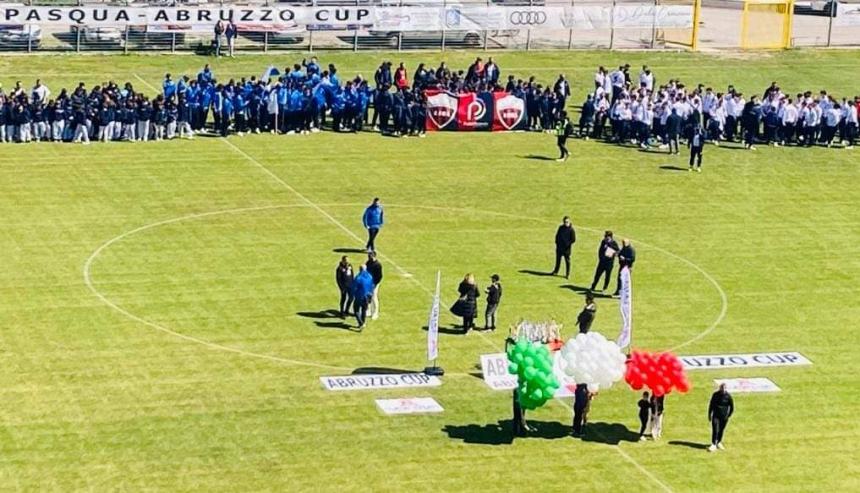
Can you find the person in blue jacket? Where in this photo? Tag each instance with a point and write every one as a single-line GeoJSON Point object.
{"type": "Point", "coordinates": [226, 112]}
{"type": "Point", "coordinates": [362, 290]}
{"type": "Point", "coordinates": [169, 87]}
{"type": "Point", "coordinates": [373, 220]}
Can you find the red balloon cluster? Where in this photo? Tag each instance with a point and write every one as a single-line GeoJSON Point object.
{"type": "Point", "coordinates": [660, 372]}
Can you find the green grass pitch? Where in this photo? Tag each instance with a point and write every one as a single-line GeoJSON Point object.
{"type": "Point", "coordinates": [218, 253]}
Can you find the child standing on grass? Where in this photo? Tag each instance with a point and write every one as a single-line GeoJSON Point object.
{"type": "Point", "coordinates": [644, 413]}
{"type": "Point", "coordinates": [494, 296]}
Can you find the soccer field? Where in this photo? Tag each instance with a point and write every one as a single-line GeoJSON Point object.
{"type": "Point", "coordinates": [165, 305]}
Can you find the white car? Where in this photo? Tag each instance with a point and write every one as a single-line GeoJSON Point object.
{"type": "Point", "coordinates": [21, 36]}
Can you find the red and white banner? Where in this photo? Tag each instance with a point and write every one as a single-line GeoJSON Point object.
{"type": "Point", "coordinates": [495, 111]}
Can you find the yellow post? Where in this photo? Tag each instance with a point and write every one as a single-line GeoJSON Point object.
{"type": "Point", "coordinates": [744, 20]}
{"type": "Point", "coordinates": [697, 14]}
{"type": "Point", "coordinates": [789, 24]}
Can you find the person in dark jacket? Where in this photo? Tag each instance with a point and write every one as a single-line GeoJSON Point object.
{"type": "Point", "coordinates": [606, 253]}
{"type": "Point", "coordinates": [565, 237]}
{"type": "Point", "coordinates": [626, 258]}
{"type": "Point", "coordinates": [362, 292]}
{"type": "Point", "coordinates": [657, 407]}
{"type": "Point", "coordinates": [580, 404]}
{"type": "Point", "coordinates": [373, 219]}
{"type": "Point", "coordinates": [720, 410]}
{"type": "Point", "coordinates": [563, 130]}
{"type": "Point", "coordinates": [375, 269]}
{"type": "Point", "coordinates": [750, 122]}
{"type": "Point", "coordinates": [696, 145]}
{"type": "Point", "coordinates": [673, 130]}
{"type": "Point", "coordinates": [586, 316]}
{"type": "Point", "coordinates": [466, 305]}
{"type": "Point", "coordinates": [343, 276]}
{"type": "Point", "coordinates": [644, 414]}
{"type": "Point", "coordinates": [520, 426]}
{"type": "Point", "coordinates": [494, 297]}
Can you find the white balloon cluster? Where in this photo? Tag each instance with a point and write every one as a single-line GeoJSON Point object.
{"type": "Point", "coordinates": [592, 360]}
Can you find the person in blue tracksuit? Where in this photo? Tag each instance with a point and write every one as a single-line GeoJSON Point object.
{"type": "Point", "coordinates": [283, 107]}
{"type": "Point", "coordinates": [294, 110]}
{"type": "Point", "coordinates": [226, 113]}
{"type": "Point", "coordinates": [169, 87]}
{"type": "Point", "coordinates": [338, 109]}
{"type": "Point", "coordinates": [362, 291]}
{"type": "Point", "coordinates": [373, 219]}
{"type": "Point", "coordinates": [184, 118]}
{"type": "Point", "coordinates": [318, 106]}
{"type": "Point", "coordinates": [207, 97]}
{"type": "Point", "coordinates": [312, 67]}
{"type": "Point", "coordinates": [240, 110]}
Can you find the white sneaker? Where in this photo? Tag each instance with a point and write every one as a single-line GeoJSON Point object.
{"type": "Point", "coordinates": [375, 316]}
{"type": "Point", "coordinates": [720, 446]}
{"type": "Point", "coordinates": [712, 448]}
{"type": "Point", "coordinates": [752, 148]}
{"type": "Point", "coordinates": [643, 439]}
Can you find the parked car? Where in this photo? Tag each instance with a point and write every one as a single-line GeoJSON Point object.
{"type": "Point", "coordinates": [20, 36]}
{"type": "Point", "coordinates": [824, 8]}
{"type": "Point", "coordinates": [100, 35]}
{"type": "Point", "coordinates": [281, 34]}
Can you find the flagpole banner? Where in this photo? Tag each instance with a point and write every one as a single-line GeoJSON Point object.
{"type": "Point", "coordinates": [626, 305]}
{"type": "Point", "coordinates": [433, 323]}
{"type": "Point", "coordinates": [412, 405]}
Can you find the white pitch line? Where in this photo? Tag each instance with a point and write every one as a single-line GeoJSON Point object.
{"type": "Point", "coordinates": [147, 84]}
{"type": "Point", "coordinates": [317, 208]}
{"type": "Point", "coordinates": [89, 283]}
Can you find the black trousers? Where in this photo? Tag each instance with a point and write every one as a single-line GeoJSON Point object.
{"type": "Point", "coordinates": [562, 146]}
{"type": "Point", "coordinates": [643, 423]}
{"type": "Point", "coordinates": [360, 311]}
{"type": "Point", "coordinates": [371, 238]}
{"type": "Point", "coordinates": [345, 301]}
{"type": "Point", "coordinates": [562, 254]}
{"type": "Point", "coordinates": [603, 267]}
{"type": "Point", "coordinates": [718, 427]}
{"type": "Point", "coordinates": [618, 279]}
{"type": "Point", "coordinates": [519, 421]}
{"type": "Point", "coordinates": [578, 420]}
{"type": "Point", "coordinates": [696, 155]}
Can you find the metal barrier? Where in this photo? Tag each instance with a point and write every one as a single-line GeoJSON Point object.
{"type": "Point", "coordinates": [719, 26]}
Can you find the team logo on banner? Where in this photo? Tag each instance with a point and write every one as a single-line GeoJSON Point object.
{"type": "Point", "coordinates": [510, 112]}
{"type": "Point", "coordinates": [441, 110]}
{"type": "Point", "coordinates": [474, 111]}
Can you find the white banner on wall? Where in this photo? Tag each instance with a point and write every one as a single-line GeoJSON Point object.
{"type": "Point", "coordinates": [450, 17]}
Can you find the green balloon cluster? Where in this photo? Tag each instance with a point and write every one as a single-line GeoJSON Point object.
{"type": "Point", "coordinates": [532, 364]}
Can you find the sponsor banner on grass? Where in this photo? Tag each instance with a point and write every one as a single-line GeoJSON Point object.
{"type": "Point", "coordinates": [496, 111]}
{"type": "Point", "coordinates": [494, 368]}
{"type": "Point", "coordinates": [744, 385]}
{"type": "Point", "coordinates": [722, 361]}
{"type": "Point", "coordinates": [372, 382]}
{"type": "Point", "coordinates": [412, 405]}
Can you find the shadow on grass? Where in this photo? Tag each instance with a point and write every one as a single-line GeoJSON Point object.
{"type": "Point", "coordinates": [379, 370]}
{"type": "Point", "coordinates": [611, 433]}
{"type": "Point", "coordinates": [682, 443]}
{"type": "Point", "coordinates": [668, 167]}
{"type": "Point", "coordinates": [501, 433]}
{"type": "Point", "coordinates": [349, 250]}
{"type": "Point", "coordinates": [336, 325]}
{"type": "Point", "coordinates": [536, 273]}
{"type": "Point", "coordinates": [451, 331]}
{"type": "Point", "coordinates": [583, 291]}
{"type": "Point", "coordinates": [321, 314]}
{"type": "Point", "coordinates": [535, 157]}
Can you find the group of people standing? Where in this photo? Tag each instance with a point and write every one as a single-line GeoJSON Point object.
{"type": "Point", "coordinates": [607, 252]}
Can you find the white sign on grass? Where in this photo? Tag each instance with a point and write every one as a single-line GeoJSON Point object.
{"type": "Point", "coordinates": [371, 382]}
{"type": "Point", "coordinates": [722, 361]}
{"type": "Point", "coordinates": [494, 368]}
{"type": "Point", "coordinates": [412, 405]}
{"type": "Point", "coordinates": [756, 384]}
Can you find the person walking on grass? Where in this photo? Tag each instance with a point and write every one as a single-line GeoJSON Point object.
{"type": "Point", "coordinates": [565, 237]}
{"type": "Point", "coordinates": [344, 276]}
{"type": "Point", "coordinates": [219, 31]}
{"type": "Point", "coordinates": [563, 130]}
{"type": "Point", "coordinates": [605, 260]}
{"type": "Point", "coordinates": [696, 145]}
{"type": "Point", "coordinates": [720, 409]}
{"type": "Point", "coordinates": [230, 32]}
{"type": "Point", "coordinates": [362, 292]}
{"type": "Point", "coordinates": [656, 406]}
{"type": "Point", "coordinates": [466, 305]}
{"type": "Point", "coordinates": [374, 267]}
{"type": "Point", "coordinates": [494, 297]}
{"type": "Point", "coordinates": [586, 316]}
{"type": "Point", "coordinates": [373, 219]}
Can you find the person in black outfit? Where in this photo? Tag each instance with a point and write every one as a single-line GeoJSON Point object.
{"type": "Point", "coordinates": [580, 404]}
{"type": "Point", "coordinates": [696, 145]}
{"type": "Point", "coordinates": [673, 130]}
{"type": "Point", "coordinates": [586, 316]}
{"type": "Point", "coordinates": [626, 258]}
{"type": "Point", "coordinates": [467, 304]}
{"type": "Point", "coordinates": [563, 130]}
{"type": "Point", "coordinates": [344, 276]}
{"type": "Point", "coordinates": [657, 406]}
{"type": "Point", "coordinates": [750, 121]}
{"type": "Point", "coordinates": [565, 237]}
{"type": "Point", "coordinates": [605, 260]}
{"type": "Point", "coordinates": [494, 296]}
{"type": "Point", "coordinates": [520, 427]}
{"type": "Point", "coordinates": [644, 413]}
{"type": "Point", "coordinates": [720, 410]}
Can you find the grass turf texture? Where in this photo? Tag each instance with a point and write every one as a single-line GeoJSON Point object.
{"type": "Point", "coordinates": [95, 400]}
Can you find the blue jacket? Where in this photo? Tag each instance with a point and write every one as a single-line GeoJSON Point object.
{"type": "Point", "coordinates": [373, 217]}
{"type": "Point", "coordinates": [362, 285]}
